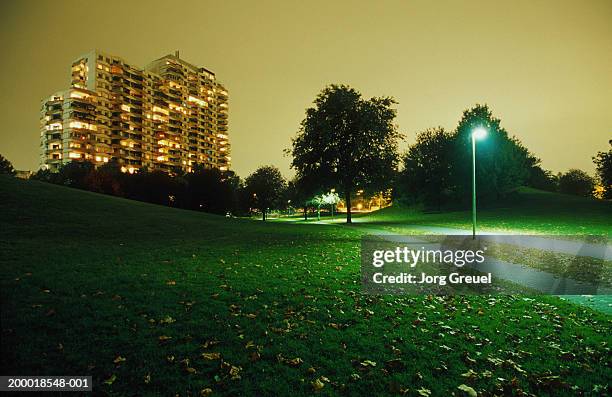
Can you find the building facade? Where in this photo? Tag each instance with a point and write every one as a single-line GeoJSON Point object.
{"type": "Point", "coordinates": [168, 116]}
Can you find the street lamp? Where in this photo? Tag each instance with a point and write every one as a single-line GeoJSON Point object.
{"type": "Point", "coordinates": [477, 133]}
{"type": "Point", "coordinates": [332, 204]}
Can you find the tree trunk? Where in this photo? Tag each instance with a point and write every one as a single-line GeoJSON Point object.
{"type": "Point", "coordinates": [347, 197]}
{"type": "Point", "coordinates": [263, 215]}
{"type": "Point", "coordinates": [305, 212]}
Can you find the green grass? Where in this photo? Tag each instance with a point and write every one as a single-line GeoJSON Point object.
{"type": "Point", "coordinates": [528, 211]}
{"type": "Point", "coordinates": [134, 294]}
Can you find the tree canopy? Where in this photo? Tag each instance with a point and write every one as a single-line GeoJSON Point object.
{"type": "Point", "coordinates": [576, 182]}
{"type": "Point", "coordinates": [437, 167]}
{"type": "Point", "coordinates": [265, 186]}
{"type": "Point", "coordinates": [5, 166]}
{"type": "Point", "coordinates": [347, 141]}
{"type": "Point", "coordinates": [603, 166]}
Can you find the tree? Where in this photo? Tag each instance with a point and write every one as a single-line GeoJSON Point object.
{"type": "Point", "coordinates": [540, 178]}
{"type": "Point", "coordinates": [210, 190]}
{"type": "Point", "coordinates": [438, 167]}
{"type": "Point", "coordinates": [576, 182]}
{"type": "Point", "coordinates": [332, 199]}
{"type": "Point", "coordinates": [502, 162]}
{"type": "Point", "coordinates": [265, 186]}
{"type": "Point", "coordinates": [156, 187]}
{"type": "Point", "coordinates": [6, 167]}
{"type": "Point", "coordinates": [347, 141]}
{"type": "Point", "coordinates": [603, 165]}
{"type": "Point", "coordinates": [426, 176]}
{"type": "Point", "coordinates": [317, 201]}
{"type": "Point", "coordinates": [301, 190]}
{"type": "Point", "coordinates": [294, 196]}
{"type": "Point", "coordinates": [106, 179]}
{"type": "Point", "coordinates": [75, 174]}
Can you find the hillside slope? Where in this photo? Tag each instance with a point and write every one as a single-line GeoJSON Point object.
{"type": "Point", "coordinates": [153, 301]}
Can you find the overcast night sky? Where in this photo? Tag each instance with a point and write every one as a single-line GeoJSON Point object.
{"type": "Point", "coordinates": [545, 67]}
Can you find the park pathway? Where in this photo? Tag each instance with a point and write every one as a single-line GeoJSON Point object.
{"type": "Point", "coordinates": [561, 246]}
{"type": "Point", "coordinates": [583, 293]}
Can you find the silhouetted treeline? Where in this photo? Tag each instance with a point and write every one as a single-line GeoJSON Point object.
{"type": "Point", "coordinates": [437, 167]}
{"type": "Point", "coordinates": [204, 189]}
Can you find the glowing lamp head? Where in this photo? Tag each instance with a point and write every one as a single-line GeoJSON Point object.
{"type": "Point", "coordinates": [479, 133]}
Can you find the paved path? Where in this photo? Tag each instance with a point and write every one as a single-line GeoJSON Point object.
{"type": "Point", "coordinates": [538, 280]}
{"type": "Point", "coordinates": [573, 290]}
{"type": "Point", "coordinates": [587, 294]}
{"type": "Point", "coordinates": [558, 245]}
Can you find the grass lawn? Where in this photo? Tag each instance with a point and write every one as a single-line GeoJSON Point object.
{"type": "Point", "coordinates": [151, 300]}
{"type": "Point", "coordinates": [529, 211]}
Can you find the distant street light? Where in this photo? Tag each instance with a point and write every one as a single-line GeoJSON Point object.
{"type": "Point", "coordinates": [477, 133]}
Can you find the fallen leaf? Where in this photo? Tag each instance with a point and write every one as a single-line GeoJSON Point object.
{"type": "Point", "coordinates": [210, 343]}
{"type": "Point", "coordinates": [470, 374]}
{"type": "Point", "coordinates": [317, 384]}
{"type": "Point", "coordinates": [468, 390]}
{"type": "Point", "coordinates": [234, 372]}
{"type": "Point", "coordinates": [424, 392]}
{"type": "Point", "coordinates": [167, 320]}
{"type": "Point", "coordinates": [294, 362]}
{"type": "Point", "coordinates": [119, 359]}
{"type": "Point", "coordinates": [368, 363]}
{"type": "Point", "coordinates": [111, 380]}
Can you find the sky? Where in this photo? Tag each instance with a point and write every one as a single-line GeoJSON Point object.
{"type": "Point", "coordinates": [544, 67]}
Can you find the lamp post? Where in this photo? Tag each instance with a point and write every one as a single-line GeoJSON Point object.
{"type": "Point", "coordinates": [477, 133]}
{"type": "Point", "coordinates": [332, 205]}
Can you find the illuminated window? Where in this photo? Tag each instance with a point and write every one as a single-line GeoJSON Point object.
{"type": "Point", "coordinates": [197, 100]}
{"type": "Point", "coordinates": [54, 126]}
{"type": "Point", "coordinates": [77, 94]}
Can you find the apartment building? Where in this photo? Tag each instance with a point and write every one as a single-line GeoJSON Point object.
{"type": "Point", "coordinates": [169, 115]}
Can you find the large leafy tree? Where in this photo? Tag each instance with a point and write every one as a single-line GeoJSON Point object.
{"type": "Point", "coordinates": [576, 182]}
{"type": "Point", "coordinates": [6, 167]}
{"type": "Point", "coordinates": [502, 162]}
{"type": "Point", "coordinates": [265, 187]}
{"type": "Point", "coordinates": [347, 141]}
{"type": "Point", "coordinates": [603, 164]}
{"type": "Point", "coordinates": [427, 170]}
{"type": "Point", "coordinates": [438, 166]}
